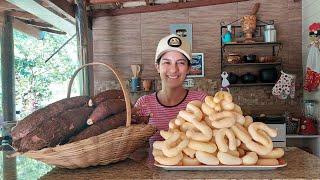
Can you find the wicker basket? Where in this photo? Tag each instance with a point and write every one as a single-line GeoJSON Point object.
{"type": "Point", "coordinates": [112, 146]}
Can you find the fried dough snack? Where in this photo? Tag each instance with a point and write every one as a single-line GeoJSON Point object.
{"type": "Point", "coordinates": [216, 132]}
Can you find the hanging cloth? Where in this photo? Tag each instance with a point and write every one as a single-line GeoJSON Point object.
{"type": "Point", "coordinates": [285, 86]}
{"type": "Point", "coordinates": [312, 78]}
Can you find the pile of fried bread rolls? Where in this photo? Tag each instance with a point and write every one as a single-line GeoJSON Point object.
{"type": "Point", "coordinates": [216, 133]}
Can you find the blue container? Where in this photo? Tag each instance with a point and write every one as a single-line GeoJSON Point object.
{"type": "Point", "coordinates": [135, 84]}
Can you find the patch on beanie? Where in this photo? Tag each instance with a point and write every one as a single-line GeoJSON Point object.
{"type": "Point", "coordinates": [174, 42]}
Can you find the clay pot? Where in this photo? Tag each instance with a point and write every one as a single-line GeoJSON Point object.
{"type": "Point", "coordinates": [232, 78]}
{"type": "Point", "coordinates": [248, 78]}
{"type": "Point", "coordinates": [147, 84]}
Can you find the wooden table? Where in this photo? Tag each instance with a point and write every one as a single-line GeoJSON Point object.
{"type": "Point", "coordinates": [300, 165]}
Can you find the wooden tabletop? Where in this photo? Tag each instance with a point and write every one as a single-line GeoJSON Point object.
{"type": "Point", "coordinates": [301, 164]}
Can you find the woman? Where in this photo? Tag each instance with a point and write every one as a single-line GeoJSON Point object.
{"type": "Point", "coordinates": [172, 61]}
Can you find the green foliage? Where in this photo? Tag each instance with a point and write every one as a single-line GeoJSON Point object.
{"type": "Point", "coordinates": [31, 169]}
{"type": "Point", "coordinates": [33, 75]}
{"type": "Point", "coordinates": [34, 78]}
{"type": "Point", "coordinates": [26, 168]}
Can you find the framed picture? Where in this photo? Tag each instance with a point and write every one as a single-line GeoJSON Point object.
{"type": "Point", "coordinates": [183, 30]}
{"type": "Point", "coordinates": [197, 65]}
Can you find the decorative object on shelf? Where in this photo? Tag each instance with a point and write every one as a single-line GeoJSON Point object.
{"type": "Point", "coordinates": [136, 69]}
{"type": "Point", "coordinates": [225, 83]}
{"type": "Point", "coordinates": [197, 65]}
{"type": "Point", "coordinates": [147, 83]}
{"type": "Point", "coordinates": [183, 30]}
{"type": "Point", "coordinates": [134, 84]}
{"type": "Point", "coordinates": [232, 78]}
{"type": "Point", "coordinates": [227, 37]}
{"type": "Point", "coordinates": [135, 80]}
{"type": "Point", "coordinates": [250, 58]}
{"type": "Point", "coordinates": [285, 86]}
{"type": "Point", "coordinates": [268, 75]}
{"type": "Point", "coordinates": [308, 122]}
{"type": "Point", "coordinates": [312, 77]}
{"type": "Point", "coordinates": [248, 78]}
{"type": "Point", "coordinates": [266, 59]}
{"type": "Point", "coordinates": [270, 33]}
{"type": "Point", "coordinates": [249, 23]}
{"type": "Point", "coordinates": [314, 29]}
{"type": "Point", "coordinates": [233, 58]}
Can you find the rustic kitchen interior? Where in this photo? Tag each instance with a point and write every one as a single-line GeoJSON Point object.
{"type": "Point", "coordinates": [125, 34]}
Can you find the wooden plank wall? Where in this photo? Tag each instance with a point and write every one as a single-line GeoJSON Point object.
{"type": "Point", "coordinates": [132, 39]}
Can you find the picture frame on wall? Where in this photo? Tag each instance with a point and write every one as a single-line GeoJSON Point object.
{"type": "Point", "coordinates": [197, 65]}
{"type": "Point", "coordinates": [183, 30]}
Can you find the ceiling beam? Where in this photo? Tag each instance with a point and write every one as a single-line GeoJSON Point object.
{"type": "Point", "coordinates": [110, 1]}
{"type": "Point", "coordinates": [163, 7]}
{"type": "Point", "coordinates": [36, 23]}
{"type": "Point", "coordinates": [52, 31]}
{"type": "Point", "coordinates": [24, 15]}
{"type": "Point", "coordinates": [43, 13]}
{"type": "Point", "coordinates": [30, 30]}
{"type": "Point", "coordinates": [4, 5]}
{"type": "Point", "coordinates": [64, 7]}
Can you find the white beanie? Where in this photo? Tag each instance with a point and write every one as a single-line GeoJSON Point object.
{"type": "Point", "coordinates": [173, 42]}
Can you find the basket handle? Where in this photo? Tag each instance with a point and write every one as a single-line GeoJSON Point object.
{"type": "Point", "coordinates": [124, 90]}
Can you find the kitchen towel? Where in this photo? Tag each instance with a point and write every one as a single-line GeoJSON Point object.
{"type": "Point", "coordinates": [285, 86]}
{"type": "Point", "coordinates": [312, 77]}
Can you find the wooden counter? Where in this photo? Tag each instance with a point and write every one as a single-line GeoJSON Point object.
{"type": "Point", "coordinates": [300, 165]}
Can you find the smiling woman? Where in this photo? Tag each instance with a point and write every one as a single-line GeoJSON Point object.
{"type": "Point", "coordinates": [172, 62]}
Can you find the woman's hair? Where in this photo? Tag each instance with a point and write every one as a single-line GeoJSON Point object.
{"type": "Point", "coordinates": [158, 60]}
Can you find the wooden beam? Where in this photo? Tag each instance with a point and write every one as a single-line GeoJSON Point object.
{"type": "Point", "coordinates": [52, 30]}
{"type": "Point", "coordinates": [4, 5]}
{"type": "Point", "coordinates": [7, 68]}
{"type": "Point", "coordinates": [24, 15]}
{"type": "Point", "coordinates": [43, 13]}
{"type": "Point", "coordinates": [28, 29]}
{"type": "Point", "coordinates": [63, 7]}
{"type": "Point", "coordinates": [110, 1]}
{"type": "Point", "coordinates": [83, 48]}
{"type": "Point", "coordinates": [35, 23]}
{"type": "Point", "coordinates": [163, 7]}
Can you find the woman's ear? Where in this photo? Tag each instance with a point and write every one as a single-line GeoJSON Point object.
{"type": "Point", "coordinates": [157, 67]}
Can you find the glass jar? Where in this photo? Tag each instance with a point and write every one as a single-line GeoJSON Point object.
{"type": "Point", "coordinates": [309, 108]}
{"type": "Point", "coordinates": [270, 33]}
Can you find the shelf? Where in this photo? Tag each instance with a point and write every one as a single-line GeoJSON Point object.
{"type": "Point", "coordinates": [252, 44]}
{"type": "Point", "coordinates": [296, 136]}
{"type": "Point", "coordinates": [251, 64]}
{"type": "Point", "coordinates": [251, 84]}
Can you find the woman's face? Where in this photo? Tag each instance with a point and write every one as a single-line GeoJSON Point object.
{"type": "Point", "coordinates": [173, 68]}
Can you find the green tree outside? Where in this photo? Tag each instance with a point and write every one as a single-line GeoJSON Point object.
{"type": "Point", "coordinates": [35, 77]}
{"type": "Point", "coordinates": [39, 83]}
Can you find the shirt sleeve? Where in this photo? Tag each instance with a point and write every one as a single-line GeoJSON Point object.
{"type": "Point", "coordinates": [202, 95]}
{"type": "Point", "coordinates": [141, 104]}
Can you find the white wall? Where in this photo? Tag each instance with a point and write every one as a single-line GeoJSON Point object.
{"type": "Point", "coordinates": [310, 14]}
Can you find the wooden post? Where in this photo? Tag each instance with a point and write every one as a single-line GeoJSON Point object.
{"type": "Point", "coordinates": [7, 67]}
{"type": "Point", "coordinates": [8, 92]}
{"type": "Point", "coordinates": [83, 47]}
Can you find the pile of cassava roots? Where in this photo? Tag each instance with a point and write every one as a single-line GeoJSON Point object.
{"type": "Point", "coordinates": [67, 120]}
